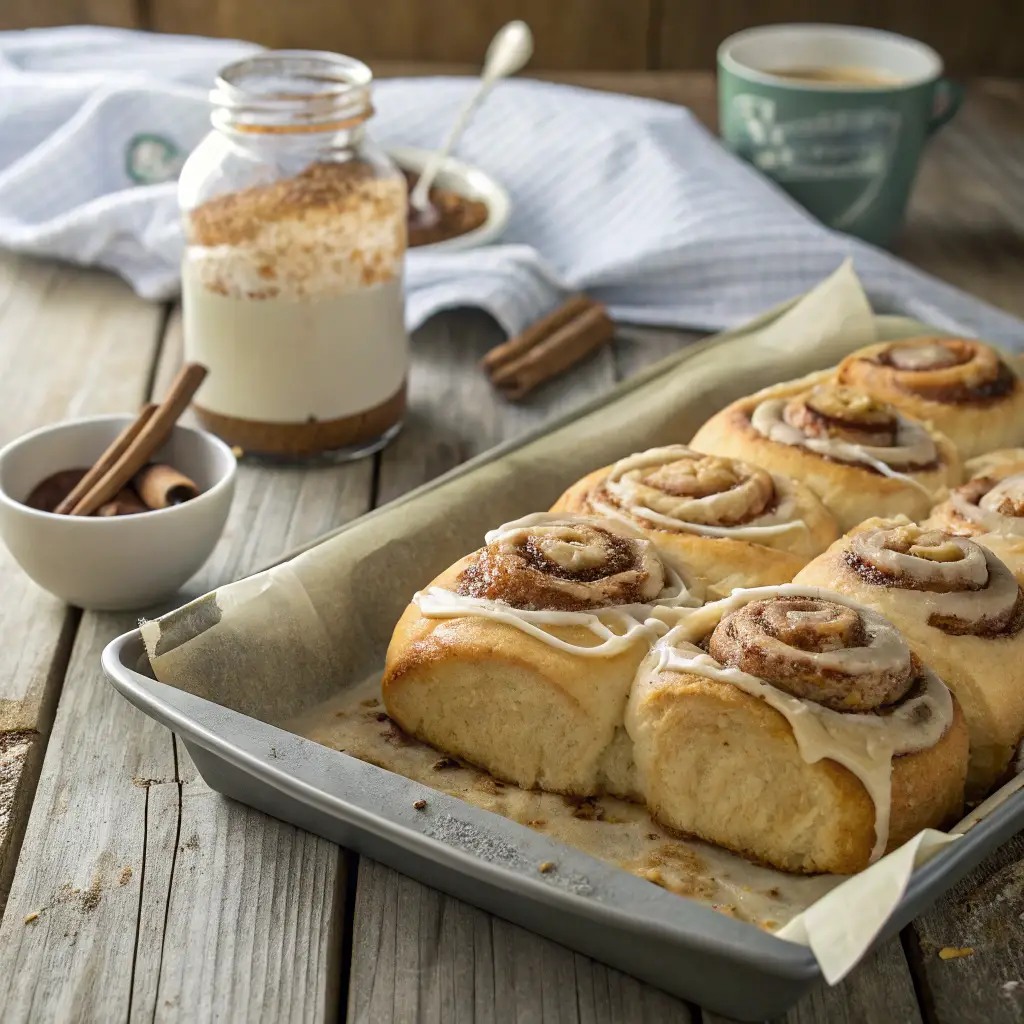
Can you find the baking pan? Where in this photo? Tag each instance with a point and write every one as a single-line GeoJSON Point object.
{"type": "Point", "coordinates": [492, 862]}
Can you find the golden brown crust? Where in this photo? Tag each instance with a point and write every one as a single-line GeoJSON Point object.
{"type": "Point", "coordinates": [527, 712]}
{"type": "Point", "coordinates": [767, 800]}
{"type": "Point", "coordinates": [724, 563]}
{"type": "Point", "coordinates": [850, 492]}
{"type": "Point", "coordinates": [962, 386]}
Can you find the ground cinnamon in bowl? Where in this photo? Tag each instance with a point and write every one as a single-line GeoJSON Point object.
{"type": "Point", "coordinates": [454, 215]}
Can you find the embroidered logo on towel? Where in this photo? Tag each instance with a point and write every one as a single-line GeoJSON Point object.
{"type": "Point", "coordinates": [152, 159]}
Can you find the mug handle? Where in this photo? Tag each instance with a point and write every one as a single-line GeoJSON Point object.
{"type": "Point", "coordinates": [946, 98]}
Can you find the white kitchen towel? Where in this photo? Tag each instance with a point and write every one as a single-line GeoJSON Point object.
{"type": "Point", "coordinates": [630, 200]}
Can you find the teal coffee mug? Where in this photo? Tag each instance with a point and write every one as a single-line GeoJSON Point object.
{"type": "Point", "coordinates": [837, 115]}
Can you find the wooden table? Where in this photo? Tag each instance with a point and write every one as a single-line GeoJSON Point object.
{"type": "Point", "coordinates": [141, 895]}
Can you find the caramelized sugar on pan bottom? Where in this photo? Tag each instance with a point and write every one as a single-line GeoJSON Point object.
{"type": "Point", "coordinates": [613, 830]}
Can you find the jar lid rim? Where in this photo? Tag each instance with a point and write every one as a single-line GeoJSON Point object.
{"type": "Point", "coordinates": [259, 91]}
{"type": "Point", "coordinates": [332, 75]}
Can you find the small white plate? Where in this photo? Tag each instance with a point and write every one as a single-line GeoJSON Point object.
{"type": "Point", "coordinates": [467, 181]}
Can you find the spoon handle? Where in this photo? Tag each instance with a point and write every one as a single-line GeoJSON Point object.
{"type": "Point", "coordinates": [421, 193]}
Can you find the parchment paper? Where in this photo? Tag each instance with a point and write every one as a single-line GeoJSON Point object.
{"type": "Point", "coordinates": [285, 645]}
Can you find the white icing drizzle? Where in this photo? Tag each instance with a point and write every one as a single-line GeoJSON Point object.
{"type": "Point", "coordinates": [914, 444]}
{"type": "Point", "coordinates": [617, 627]}
{"type": "Point", "coordinates": [996, 586]}
{"type": "Point", "coordinates": [984, 513]}
{"type": "Point", "coordinates": [864, 744]}
{"type": "Point", "coordinates": [771, 524]}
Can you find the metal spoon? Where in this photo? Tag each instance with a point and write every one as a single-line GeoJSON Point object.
{"type": "Point", "coordinates": [509, 51]}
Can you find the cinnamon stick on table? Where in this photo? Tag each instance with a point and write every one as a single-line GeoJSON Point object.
{"type": "Point", "coordinates": [554, 351]}
{"type": "Point", "coordinates": [512, 349]}
{"type": "Point", "coordinates": [147, 440]}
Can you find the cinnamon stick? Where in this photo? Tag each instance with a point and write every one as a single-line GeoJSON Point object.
{"type": "Point", "coordinates": [125, 503]}
{"type": "Point", "coordinates": [147, 441]}
{"type": "Point", "coordinates": [556, 353]}
{"type": "Point", "coordinates": [161, 486]}
{"type": "Point", "coordinates": [514, 348]}
{"type": "Point", "coordinates": [114, 451]}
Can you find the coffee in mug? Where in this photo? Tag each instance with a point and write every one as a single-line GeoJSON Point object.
{"type": "Point", "coordinates": [847, 75]}
{"type": "Point", "coordinates": [837, 115]}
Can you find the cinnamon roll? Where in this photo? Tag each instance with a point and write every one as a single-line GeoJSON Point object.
{"type": "Point", "coordinates": [858, 455]}
{"type": "Point", "coordinates": [964, 388]}
{"type": "Point", "coordinates": [962, 612]}
{"type": "Point", "coordinates": [795, 727]}
{"type": "Point", "coordinates": [730, 523]}
{"type": "Point", "coordinates": [519, 658]}
{"type": "Point", "coordinates": [989, 507]}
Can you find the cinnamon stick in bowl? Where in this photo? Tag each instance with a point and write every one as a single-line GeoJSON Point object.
{"type": "Point", "coordinates": [154, 432]}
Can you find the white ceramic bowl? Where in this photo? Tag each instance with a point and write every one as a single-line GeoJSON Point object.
{"type": "Point", "coordinates": [467, 181]}
{"type": "Point", "coordinates": [121, 562]}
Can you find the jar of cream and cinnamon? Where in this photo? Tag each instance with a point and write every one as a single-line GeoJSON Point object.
{"type": "Point", "coordinates": [295, 230]}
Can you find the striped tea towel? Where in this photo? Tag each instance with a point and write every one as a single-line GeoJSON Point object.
{"type": "Point", "coordinates": [630, 200]}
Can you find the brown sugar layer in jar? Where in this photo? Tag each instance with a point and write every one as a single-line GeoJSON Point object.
{"type": "Point", "coordinates": [309, 438]}
{"type": "Point", "coordinates": [456, 215]}
{"type": "Point", "coordinates": [237, 217]}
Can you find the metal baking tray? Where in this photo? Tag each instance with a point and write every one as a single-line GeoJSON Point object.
{"type": "Point", "coordinates": [676, 944]}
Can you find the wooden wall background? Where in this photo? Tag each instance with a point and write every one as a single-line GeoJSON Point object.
{"type": "Point", "coordinates": [978, 37]}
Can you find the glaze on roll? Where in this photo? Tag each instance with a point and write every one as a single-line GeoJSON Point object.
{"type": "Point", "coordinates": [857, 454]}
{"type": "Point", "coordinates": [519, 658]}
{"type": "Point", "coordinates": [962, 611]}
{"type": "Point", "coordinates": [730, 523]}
{"type": "Point", "coordinates": [963, 387]}
{"type": "Point", "coordinates": [795, 727]}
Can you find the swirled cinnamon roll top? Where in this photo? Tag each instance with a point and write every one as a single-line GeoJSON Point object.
{"type": "Point", "coordinates": [817, 650]}
{"type": "Point", "coordinates": [675, 487]}
{"type": "Point", "coordinates": [984, 505]}
{"type": "Point", "coordinates": [953, 371]}
{"type": "Point", "coordinates": [960, 587]}
{"type": "Point", "coordinates": [695, 488]}
{"type": "Point", "coordinates": [847, 425]}
{"type": "Point", "coordinates": [829, 411]}
{"type": "Point", "coordinates": [571, 564]}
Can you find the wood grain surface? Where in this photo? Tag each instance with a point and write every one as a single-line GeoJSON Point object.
{"type": "Point", "coordinates": [606, 34]}
{"type": "Point", "coordinates": [142, 895]}
{"type": "Point", "coordinates": [972, 40]}
{"type": "Point", "coordinates": [72, 343]}
{"type": "Point", "coordinates": [612, 35]}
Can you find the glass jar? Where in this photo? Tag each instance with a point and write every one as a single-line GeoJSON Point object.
{"type": "Point", "coordinates": [295, 232]}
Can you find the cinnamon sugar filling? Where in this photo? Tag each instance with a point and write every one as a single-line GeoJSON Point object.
{"type": "Point", "coordinates": [782, 641]}
{"type": "Point", "coordinates": [564, 568]}
{"type": "Point", "coordinates": [961, 587]}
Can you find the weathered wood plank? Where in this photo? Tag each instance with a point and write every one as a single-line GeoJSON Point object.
{"type": "Point", "coordinates": [33, 14]}
{"type": "Point", "coordinates": [964, 224]}
{"type": "Point", "coordinates": [266, 943]}
{"type": "Point", "coordinates": [71, 343]}
{"type": "Point", "coordinates": [984, 915]}
{"type": "Point", "coordinates": [880, 989]}
{"type": "Point", "coordinates": [454, 413]}
{"type": "Point", "coordinates": [637, 347]}
{"type": "Point", "coordinates": [117, 794]}
{"type": "Point", "coordinates": [570, 34]}
{"type": "Point", "coordinates": [690, 31]}
{"type": "Point", "coordinates": [254, 922]}
{"type": "Point", "coordinates": [420, 955]}
{"type": "Point", "coordinates": [81, 865]}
